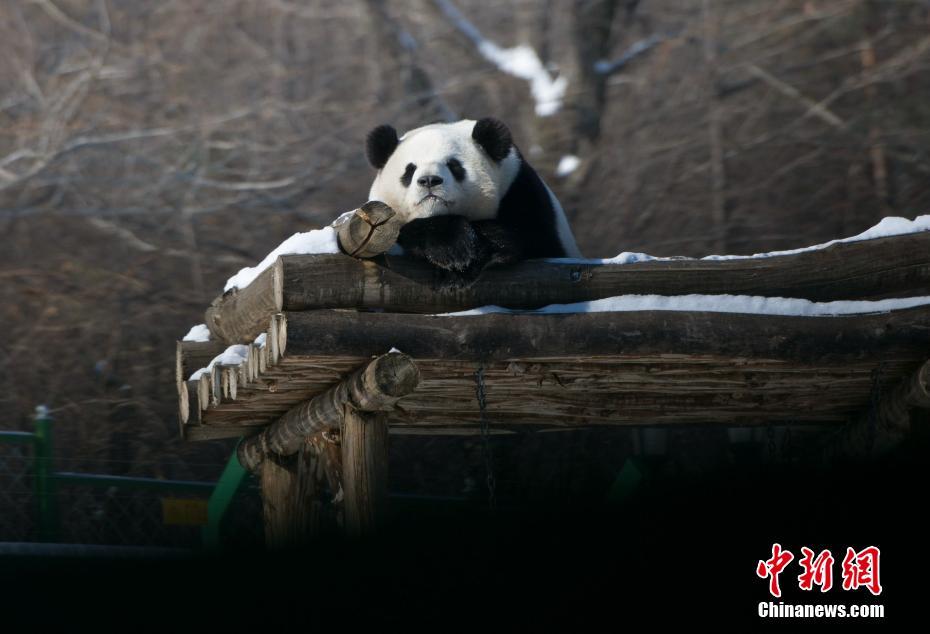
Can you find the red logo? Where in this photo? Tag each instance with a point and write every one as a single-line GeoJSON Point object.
{"type": "Point", "coordinates": [817, 571]}
{"type": "Point", "coordinates": [772, 567]}
{"type": "Point", "coordinates": [860, 569]}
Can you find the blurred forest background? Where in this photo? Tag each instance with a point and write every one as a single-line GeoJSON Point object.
{"type": "Point", "coordinates": [148, 150]}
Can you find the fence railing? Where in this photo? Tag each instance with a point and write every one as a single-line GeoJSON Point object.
{"type": "Point", "coordinates": [38, 503]}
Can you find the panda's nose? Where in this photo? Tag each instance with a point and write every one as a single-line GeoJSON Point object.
{"type": "Point", "coordinates": [429, 180]}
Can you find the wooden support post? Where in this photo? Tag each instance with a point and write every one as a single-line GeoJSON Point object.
{"type": "Point", "coordinates": [885, 423]}
{"type": "Point", "coordinates": [357, 476]}
{"type": "Point", "coordinates": [364, 471]}
{"type": "Point", "coordinates": [375, 387]}
{"type": "Point", "coordinates": [291, 498]}
{"type": "Point", "coordinates": [279, 500]}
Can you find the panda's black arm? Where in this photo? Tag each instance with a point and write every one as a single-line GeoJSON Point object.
{"type": "Point", "coordinates": [448, 242]}
{"type": "Point", "coordinates": [460, 248]}
{"type": "Point", "coordinates": [502, 243]}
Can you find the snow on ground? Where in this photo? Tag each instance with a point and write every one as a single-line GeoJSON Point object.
{"type": "Point", "coordinates": [200, 332]}
{"type": "Point", "coordinates": [567, 164]}
{"type": "Point", "coordinates": [520, 61]}
{"type": "Point", "coordinates": [523, 62]}
{"type": "Point", "coordinates": [748, 304]}
{"type": "Point", "coordinates": [260, 340]}
{"type": "Point", "coordinates": [890, 226]}
{"type": "Point", "coordinates": [233, 355]}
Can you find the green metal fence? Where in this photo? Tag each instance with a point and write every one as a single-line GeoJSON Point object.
{"type": "Point", "coordinates": [38, 503]}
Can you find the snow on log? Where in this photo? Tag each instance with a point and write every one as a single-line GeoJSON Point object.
{"type": "Point", "coordinates": [242, 311]}
{"type": "Point", "coordinates": [864, 269]}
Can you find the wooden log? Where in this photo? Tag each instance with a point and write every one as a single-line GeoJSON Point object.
{"type": "Point", "coordinates": [184, 405]}
{"type": "Point", "coordinates": [575, 337]}
{"type": "Point", "coordinates": [600, 368]}
{"type": "Point", "coordinates": [279, 485]}
{"type": "Point", "coordinates": [886, 422]}
{"type": "Point", "coordinates": [368, 232]}
{"type": "Point", "coordinates": [309, 493]}
{"type": "Point", "coordinates": [190, 356]}
{"type": "Point", "coordinates": [869, 269]}
{"type": "Point", "coordinates": [364, 471]}
{"type": "Point", "coordinates": [328, 447]}
{"type": "Point", "coordinates": [375, 387]}
{"type": "Point", "coordinates": [241, 314]}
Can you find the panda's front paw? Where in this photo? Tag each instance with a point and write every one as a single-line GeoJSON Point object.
{"type": "Point", "coordinates": [447, 242]}
{"type": "Point", "coordinates": [446, 280]}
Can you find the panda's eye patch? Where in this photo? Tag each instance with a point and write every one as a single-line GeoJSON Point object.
{"type": "Point", "coordinates": [408, 174]}
{"type": "Point", "coordinates": [456, 168]}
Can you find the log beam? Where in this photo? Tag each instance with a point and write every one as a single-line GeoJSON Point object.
{"type": "Point", "coordinates": [885, 423]}
{"type": "Point", "coordinates": [575, 337]}
{"type": "Point", "coordinates": [291, 485]}
{"type": "Point", "coordinates": [240, 314]}
{"type": "Point", "coordinates": [869, 269]}
{"type": "Point", "coordinates": [375, 387]}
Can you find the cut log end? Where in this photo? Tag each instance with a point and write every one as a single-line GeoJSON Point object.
{"type": "Point", "coordinates": [370, 231]}
{"type": "Point", "coordinates": [251, 453]}
{"type": "Point", "coordinates": [394, 374]}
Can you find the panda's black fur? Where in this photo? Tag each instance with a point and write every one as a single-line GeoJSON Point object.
{"type": "Point", "coordinates": [524, 225]}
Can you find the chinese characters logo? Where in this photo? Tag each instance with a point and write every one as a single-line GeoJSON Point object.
{"type": "Point", "coordinates": [859, 569]}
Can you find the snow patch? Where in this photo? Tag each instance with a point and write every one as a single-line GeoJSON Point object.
{"type": "Point", "coordinates": [260, 340]}
{"type": "Point", "coordinates": [317, 241]}
{"type": "Point", "coordinates": [747, 304]}
{"type": "Point", "coordinates": [890, 226]}
{"type": "Point", "coordinates": [520, 61]}
{"type": "Point", "coordinates": [233, 355]}
{"type": "Point", "coordinates": [200, 333]}
{"type": "Point", "coordinates": [523, 62]}
{"type": "Point", "coordinates": [567, 164]}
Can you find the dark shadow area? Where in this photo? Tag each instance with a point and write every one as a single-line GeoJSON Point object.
{"type": "Point", "coordinates": [679, 550]}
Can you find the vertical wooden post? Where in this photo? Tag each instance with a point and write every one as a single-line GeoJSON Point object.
{"type": "Point", "coordinates": [364, 471]}
{"type": "Point", "coordinates": [309, 505]}
{"type": "Point", "coordinates": [291, 502]}
{"type": "Point", "coordinates": [279, 500]}
{"type": "Point", "coordinates": [355, 466]}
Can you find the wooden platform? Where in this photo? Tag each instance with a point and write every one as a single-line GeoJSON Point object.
{"type": "Point", "coordinates": [564, 370]}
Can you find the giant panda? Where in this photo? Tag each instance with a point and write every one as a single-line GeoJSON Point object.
{"type": "Point", "coordinates": [467, 198]}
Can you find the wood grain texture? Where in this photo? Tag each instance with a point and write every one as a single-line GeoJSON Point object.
{"type": "Point", "coordinates": [239, 315]}
{"type": "Point", "coordinates": [496, 337]}
{"type": "Point", "coordinates": [371, 230]}
{"type": "Point", "coordinates": [279, 486]}
{"type": "Point", "coordinates": [869, 269]}
{"type": "Point", "coordinates": [376, 386]}
{"type": "Point", "coordinates": [563, 371]}
{"type": "Point", "coordinates": [886, 421]}
{"type": "Point", "coordinates": [364, 471]}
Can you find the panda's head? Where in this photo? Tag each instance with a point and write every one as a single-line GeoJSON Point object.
{"type": "Point", "coordinates": [462, 168]}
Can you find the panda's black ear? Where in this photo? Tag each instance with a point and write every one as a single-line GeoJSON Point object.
{"type": "Point", "coordinates": [380, 144]}
{"type": "Point", "coordinates": [494, 137]}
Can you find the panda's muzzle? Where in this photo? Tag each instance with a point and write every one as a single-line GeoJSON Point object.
{"type": "Point", "coordinates": [438, 199]}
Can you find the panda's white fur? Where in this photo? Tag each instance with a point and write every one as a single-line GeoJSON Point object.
{"type": "Point", "coordinates": [476, 197]}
